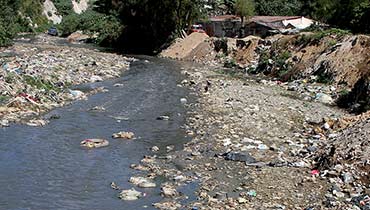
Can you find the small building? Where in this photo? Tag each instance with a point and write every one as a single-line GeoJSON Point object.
{"type": "Point", "coordinates": [230, 25]}
{"type": "Point", "coordinates": [222, 26]}
{"type": "Point", "coordinates": [265, 25]}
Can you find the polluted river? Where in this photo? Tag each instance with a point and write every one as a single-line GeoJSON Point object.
{"type": "Point", "coordinates": [207, 137]}
{"type": "Point", "coordinates": [45, 167]}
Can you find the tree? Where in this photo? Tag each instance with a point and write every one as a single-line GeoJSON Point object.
{"type": "Point", "coordinates": [151, 23]}
{"type": "Point", "coordinates": [244, 8]}
{"type": "Point", "coordinates": [279, 7]}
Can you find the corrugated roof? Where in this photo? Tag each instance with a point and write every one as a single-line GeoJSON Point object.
{"type": "Point", "coordinates": [271, 19]}
{"type": "Point", "coordinates": [225, 17]}
{"type": "Point", "coordinates": [264, 19]}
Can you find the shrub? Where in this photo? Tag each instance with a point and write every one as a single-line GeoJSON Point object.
{"type": "Point", "coordinates": [108, 27]}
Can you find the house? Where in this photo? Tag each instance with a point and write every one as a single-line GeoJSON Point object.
{"type": "Point", "coordinates": [265, 25]}
{"type": "Point", "coordinates": [222, 26]}
{"type": "Point", "coordinates": [230, 25]}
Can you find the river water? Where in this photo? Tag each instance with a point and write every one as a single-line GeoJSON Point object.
{"type": "Point", "coordinates": [45, 168]}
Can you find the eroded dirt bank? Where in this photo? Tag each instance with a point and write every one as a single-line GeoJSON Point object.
{"type": "Point", "coordinates": [247, 147]}
{"type": "Point", "coordinates": [273, 144]}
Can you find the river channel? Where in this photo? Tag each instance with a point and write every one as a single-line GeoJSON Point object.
{"type": "Point", "coordinates": [45, 168]}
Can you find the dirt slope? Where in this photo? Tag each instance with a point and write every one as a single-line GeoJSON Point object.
{"type": "Point", "coordinates": [183, 48]}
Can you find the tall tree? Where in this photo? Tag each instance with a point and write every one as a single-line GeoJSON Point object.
{"type": "Point", "coordinates": [151, 23]}
{"type": "Point", "coordinates": [244, 8]}
{"type": "Point", "coordinates": [279, 7]}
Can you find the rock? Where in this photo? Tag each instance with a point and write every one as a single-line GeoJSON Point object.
{"type": "Point", "coordinates": [4, 123]}
{"type": "Point", "coordinates": [170, 205]}
{"type": "Point", "coordinates": [242, 200]}
{"type": "Point", "coordinates": [98, 108]}
{"type": "Point", "coordinates": [241, 157]}
{"type": "Point", "coordinates": [94, 143]}
{"type": "Point", "coordinates": [96, 78]}
{"type": "Point", "coordinates": [169, 191]}
{"type": "Point", "coordinates": [77, 36]}
{"type": "Point", "coordinates": [155, 149]}
{"type": "Point", "coordinates": [183, 100]}
{"type": "Point", "coordinates": [324, 98]}
{"type": "Point", "coordinates": [37, 123]}
{"type": "Point", "coordinates": [170, 148]}
{"type": "Point", "coordinates": [77, 94]}
{"type": "Point", "coordinates": [130, 195]}
{"type": "Point", "coordinates": [123, 135]}
{"type": "Point", "coordinates": [142, 182]}
{"type": "Point", "coordinates": [164, 117]}
{"type": "Point", "coordinates": [114, 186]}
{"type": "Point", "coordinates": [118, 85]}
{"type": "Point", "coordinates": [339, 194]}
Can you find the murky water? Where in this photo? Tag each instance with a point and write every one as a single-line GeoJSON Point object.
{"type": "Point", "coordinates": [45, 168]}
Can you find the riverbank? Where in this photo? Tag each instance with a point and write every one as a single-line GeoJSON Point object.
{"type": "Point", "coordinates": [37, 76]}
{"type": "Point", "coordinates": [271, 141]}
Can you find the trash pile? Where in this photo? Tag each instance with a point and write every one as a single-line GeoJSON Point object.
{"type": "Point", "coordinates": [343, 159]}
{"type": "Point", "coordinates": [34, 78]}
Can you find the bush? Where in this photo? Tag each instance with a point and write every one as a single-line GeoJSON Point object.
{"type": "Point", "coordinates": [108, 27]}
{"type": "Point", "coordinates": [5, 36]}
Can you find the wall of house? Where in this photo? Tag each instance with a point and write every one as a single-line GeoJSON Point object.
{"type": "Point", "coordinates": [222, 28]}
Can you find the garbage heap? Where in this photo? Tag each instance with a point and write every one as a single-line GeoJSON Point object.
{"type": "Point", "coordinates": [36, 77]}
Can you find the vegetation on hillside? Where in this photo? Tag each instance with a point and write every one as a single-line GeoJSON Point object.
{"type": "Point", "coordinates": [19, 16]}
{"type": "Point", "coordinates": [146, 25]}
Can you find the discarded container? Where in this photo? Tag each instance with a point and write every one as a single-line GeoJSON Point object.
{"type": "Point", "coordinates": [94, 143]}
{"type": "Point", "coordinates": [252, 193]}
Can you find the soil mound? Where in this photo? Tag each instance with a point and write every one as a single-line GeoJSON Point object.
{"type": "Point", "coordinates": [185, 48]}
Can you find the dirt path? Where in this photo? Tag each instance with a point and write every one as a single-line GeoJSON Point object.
{"type": "Point", "coordinates": [247, 145]}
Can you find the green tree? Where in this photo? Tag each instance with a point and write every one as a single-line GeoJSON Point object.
{"type": "Point", "coordinates": [244, 8]}
{"type": "Point", "coordinates": [279, 7]}
{"type": "Point", "coordinates": [151, 23]}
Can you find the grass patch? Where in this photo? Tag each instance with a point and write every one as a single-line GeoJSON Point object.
{"type": "Point", "coordinates": [40, 83]}
{"type": "Point", "coordinates": [4, 99]}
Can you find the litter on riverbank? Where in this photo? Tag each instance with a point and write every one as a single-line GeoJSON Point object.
{"type": "Point", "coordinates": [36, 77]}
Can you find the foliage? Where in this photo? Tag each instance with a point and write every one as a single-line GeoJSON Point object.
{"type": "Point", "coordinates": [64, 7]}
{"type": "Point", "coordinates": [317, 36]}
{"type": "Point", "coordinates": [244, 8]}
{"type": "Point", "coordinates": [278, 7]}
{"type": "Point", "coordinates": [19, 16]}
{"type": "Point", "coordinates": [108, 27]}
{"type": "Point", "coordinates": [40, 83]}
{"type": "Point", "coordinates": [274, 62]}
{"type": "Point", "coordinates": [149, 23]}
